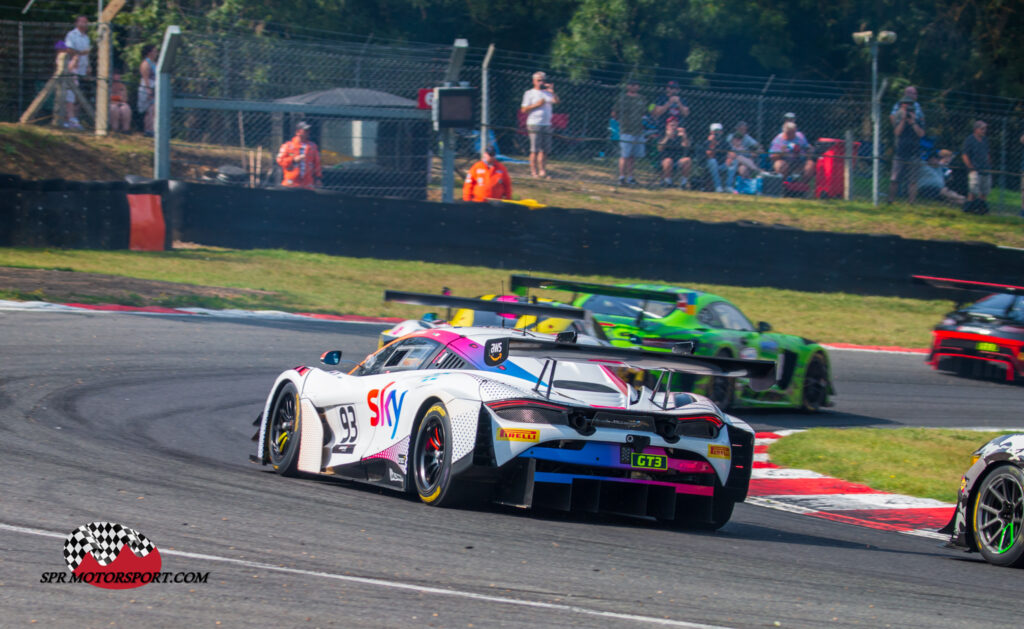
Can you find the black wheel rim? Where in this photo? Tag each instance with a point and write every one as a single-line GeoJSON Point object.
{"type": "Point", "coordinates": [282, 427]}
{"type": "Point", "coordinates": [1000, 514]}
{"type": "Point", "coordinates": [720, 391]}
{"type": "Point", "coordinates": [430, 451]}
{"type": "Point", "coordinates": [815, 384]}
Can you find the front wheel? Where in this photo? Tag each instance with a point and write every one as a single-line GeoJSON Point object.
{"type": "Point", "coordinates": [999, 516]}
{"type": "Point", "coordinates": [815, 389]}
{"type": "Point", "coordinates": [432, 460]}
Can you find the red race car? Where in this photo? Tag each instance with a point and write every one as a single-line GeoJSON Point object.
{"type": "Point", "coordinates": [984, 338]}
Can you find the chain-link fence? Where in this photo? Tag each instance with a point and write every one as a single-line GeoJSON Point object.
{"type": "Point", "coordinates": [238, 97]}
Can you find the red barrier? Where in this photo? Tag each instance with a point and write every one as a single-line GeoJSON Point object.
{"type": "Point", "coordinates": [148, 229]}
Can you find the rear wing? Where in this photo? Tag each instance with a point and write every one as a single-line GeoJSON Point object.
{"type": "Point", "coordinates": [484, 305]}
{"type": "Point", "coordinates": [519, 283]}
{"type": "Point", "coordinates": [761, 373]}
{"type": "Point", "coordinates": [967, 285]}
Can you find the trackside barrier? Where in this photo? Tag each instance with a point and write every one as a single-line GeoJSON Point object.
{"type": "Point", "coordinates": [77, 215]}
{"type": "Point", "coordinates": [558, 240]}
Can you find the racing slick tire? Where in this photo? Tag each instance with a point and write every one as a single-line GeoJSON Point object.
{"type": "Point", "coordinates": [998, 516]}
{"type": "Point", "coordinates": [722, 391]}
{"type": "Point", "coordinates": [432, 461]}
{"type": "Point", "coordinates": [282, 434]}
{"type": "Point", "coordinates": [815, 389]}
{"type": "Point", "coordinates": [721, 513]}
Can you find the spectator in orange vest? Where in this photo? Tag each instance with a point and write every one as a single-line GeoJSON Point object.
{"type": "Point", "coordinates": [487, 179]}
{"type": "Point", "coordinates": [300, 160]}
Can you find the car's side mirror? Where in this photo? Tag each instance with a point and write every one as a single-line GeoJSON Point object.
{"type": "Point", "coordinates": [764, 326]}
{"type": "Point", "coordinates": [332, 357]}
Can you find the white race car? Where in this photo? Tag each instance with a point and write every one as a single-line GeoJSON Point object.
{"type": "Point", "coordinates": [518, 418]}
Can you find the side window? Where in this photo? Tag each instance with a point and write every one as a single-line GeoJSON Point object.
{"type": "Point", "coordinates": [402, 356]}
{"type": "Point", "coordinates": [731, 317]}
{"type": "Point", "coordinates": [709, 317]}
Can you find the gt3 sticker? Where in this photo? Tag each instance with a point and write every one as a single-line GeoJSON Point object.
{"type": "Point", "coordinates": [718, 452]}
{"type": "Point", "coordinates": [518, 434]}
{"type": "Point", "coordinates": [648, 461]}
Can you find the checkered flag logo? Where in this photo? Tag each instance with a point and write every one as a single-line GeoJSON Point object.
{"type": "Point", "coordinates": [104, 540]}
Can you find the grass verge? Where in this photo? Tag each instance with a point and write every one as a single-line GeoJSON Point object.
{"type": "Point", "coordinates": [297, 281]}
{"type": "Point", "coordinates": [922, 462]}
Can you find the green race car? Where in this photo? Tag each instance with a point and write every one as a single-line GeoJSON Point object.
{"type": "Point", "coordinates": [660, 317]}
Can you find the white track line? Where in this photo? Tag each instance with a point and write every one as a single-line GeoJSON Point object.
{"type": "Point", "coordinates": [398, 585]}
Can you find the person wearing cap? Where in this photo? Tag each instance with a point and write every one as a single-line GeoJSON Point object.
{"type": "Point", "coordinates": [537, 104]}
{"type": "Point", "coordinates": [791, 117]}
{"type": "Point", "coordinates": [906, 163]}
{"type": "Point", "coordinates": [77, 45]}
{"type": "Point", "coordinates": [629, 111]}
{"type": "Point", "coordinates": [669, 106]}
{"type": "Point", "coordinates": [743, 149]}
{"type": "Point", "coordinates": [487, 179]}
{"type": "Point", "coordinates": [716, 151]}
{"type": "Point", "coordinates": [911, 93]}
{"type": "Point", "coordinates": [299, 158]}
{"type": "Point", "coordinates": [932, 184]}
{"type": "Point", "coordinates": [674, 151]}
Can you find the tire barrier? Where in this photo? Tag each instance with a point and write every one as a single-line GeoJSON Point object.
{"type": "Point", "coordinates": [557, 240]}
{"type": "Point", "coordinates": [79, 215]}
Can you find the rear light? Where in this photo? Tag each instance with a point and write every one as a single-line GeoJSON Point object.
{"type": "Point", "coordinates": [700, 426]}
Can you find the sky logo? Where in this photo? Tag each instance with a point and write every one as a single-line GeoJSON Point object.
{"type": "Point", "coordinates": [385, 407]}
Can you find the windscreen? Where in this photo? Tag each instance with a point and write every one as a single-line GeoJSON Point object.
{"type": "Point", "coordinates": [627, 307]}
{"type": "Point", "coordinates": [1003, 306]}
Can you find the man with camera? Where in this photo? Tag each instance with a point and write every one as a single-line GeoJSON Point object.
{"type": "Point", "coordinates": [906, 163]}
{"type": "Point", "coordinates": [670, 106]}
{"type": "Point", "coordinates": [537, 104]}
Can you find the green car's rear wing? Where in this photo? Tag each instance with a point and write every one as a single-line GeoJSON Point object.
{"type": "Point", "coordinates": [519, 283]}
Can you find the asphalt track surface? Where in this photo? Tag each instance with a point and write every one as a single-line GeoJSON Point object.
{"type": "Point", "coordinates": [146, 421]}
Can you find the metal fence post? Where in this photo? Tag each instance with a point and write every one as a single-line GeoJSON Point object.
{"type": "Point", "coordinates": [1002, 163]}
{"type": "Point", "coordinates": [485, 112]}
{"type": "Point", "coordinates": [163, 104]}
{"type": "Point", "coordinates": [448, 135]}
{"type": "Point", "coordinates": [760, 107]}
{"type": "Point", "coordinates": [847, 164]}
{"type": "Point", "coordinates": [21, 67]}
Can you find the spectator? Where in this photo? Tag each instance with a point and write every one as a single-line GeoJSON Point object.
{"type": "Point", "coordinates": [674, 150]}
{"type": "Point", "coordinates": [669, 106]}
{"type": "Point", "coordinates": [932, 183]}
{"type": "Point", "coordinates": [629, 112]}
{"type": "Point", "coordinates": [906, 163]}
{"type": "Point", "coordinates": [120, 110]}
{"type": "Point", "coordinates": [909, 93]}
{"type": "Point", "coordinates": [791, 154]}
{"type": "Point", "coordinates": [716, 151]}
{"type": "Point", "coordinates": [300, 160]}
{"type": "Point", "coordinates": [147, 87]}
{"type": "Point", "coordinates": [791, 117]}
{"type": "Point", "coordinates": [975, 154]}
{"type": "Point", "coordinates": [77, 46]}
{"type": "Point", "coordinates": [743, 149]}
{"type": "Point", "coordinates": [487, 179]}
{"type": "Point", "coordinates": [537, 104]}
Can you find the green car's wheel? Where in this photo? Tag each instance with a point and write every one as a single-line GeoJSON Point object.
{"type": "Point", "coordinates": [999, 515]}
{"type": "Point", "coordinates": [723, 390]}
{"type": "Point", "coordinates": [815, 389]}
{"type": "Point", "coordinates": [282, 434]}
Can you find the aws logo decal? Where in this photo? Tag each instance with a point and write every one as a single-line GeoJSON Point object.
{"type": "Point", "coordinates": [385, 407]}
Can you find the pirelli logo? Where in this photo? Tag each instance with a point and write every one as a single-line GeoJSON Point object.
{"type": "Point", "coordinates": [719, 452]}
{"type": "Point", "coordinates": [518, 434]}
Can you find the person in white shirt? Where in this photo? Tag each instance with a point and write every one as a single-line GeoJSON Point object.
{"type": "Point", "coordinates": [78, 46]}
{"type": "Point", "coordinates": [536, 105]}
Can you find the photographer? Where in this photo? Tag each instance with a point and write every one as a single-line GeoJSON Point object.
{"type": "Point", "coordinates": [670, 106]}
{"type": "Point", "coordinates": [906, 163]}
{"type": "Point", "coordinates": [537, 104]}
{"type": "Point", "coordinates": [674, 150]}
{"type": "Point", "coordinates": [299, 158]}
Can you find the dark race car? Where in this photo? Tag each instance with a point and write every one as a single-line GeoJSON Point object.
{"type": "Point", "coordinates": [990, 507]}
{"type": "Point", "coordinates": [984, 338]}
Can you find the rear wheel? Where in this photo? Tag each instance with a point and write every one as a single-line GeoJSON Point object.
{"type": "Point", "coordinates": [432, 460]}
{"type": "Point", "coordinates": [282, 435]}
{"type": "Point", "coordinates": [815, 390]}
{"type": "Point", "coordinates": [999, 516]}
{"type": "Point", "coordinates": [723, 390]}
